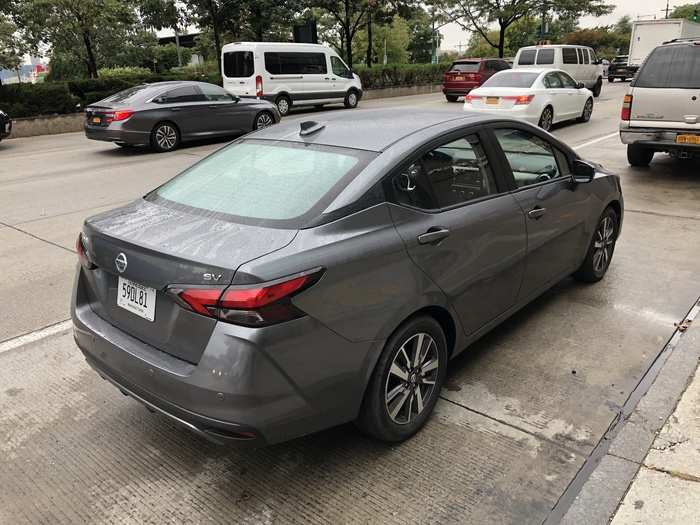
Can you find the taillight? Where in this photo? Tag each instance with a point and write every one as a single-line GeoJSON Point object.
{"type": "Point", "coordinates": [254, 306]}
{"type": "Point", "coordinates": [520, 100]}
{"type": "Point", "coordinates": [626, 112]}
{"type": "Point", "coordinates": [119, 115]}
{"type": "Point", "coordinates": [258, 86]}
{"type": "Point", "coordinates": [82, 251]}
{"type": "Point", "coordinates": [470, 98]}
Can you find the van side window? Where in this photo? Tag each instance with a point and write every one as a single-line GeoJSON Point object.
{"type": "Point", "coordinates": [527, 57]}
{"type": "Point", "coordinates": [545, 56]}
{"type": "Point", "coordinates": [295, 63]}
{"type": "Point", "coordinates": [586, 59]}
{"type": "Point", "coordinates": [569, 55]}
{"type": "Point", "coordinates": [594, 59]}
{"type": "Point", "coordinates": [238, 64]}
{"type": "Point", "coordinates": [339, 68]}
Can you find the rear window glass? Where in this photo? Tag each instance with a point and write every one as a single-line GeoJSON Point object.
{"type": "Point", "coordinates": [676, 66]}
{"type": "Point", "coordinates": [238, 64]}
{"type": "Point", "coordinates": [465, 67]}
{"type": "Point", "coordinates": [545, 56]}
{"type": "Point", "coordinates": [511, 78]}
{"type": "Point", "coordinates": [527, 57]}
{"type": "Point", "coordinates": [264, 182]}
{"type": "Point", "coordinates": [127, 94]}
{"type": "Point", "coordinates": [568, 55]}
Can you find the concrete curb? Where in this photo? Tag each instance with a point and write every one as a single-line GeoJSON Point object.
{"type": "Point", "coordinates": [603, 491]}
{"type": "Point", "coordinates": [53, 124]}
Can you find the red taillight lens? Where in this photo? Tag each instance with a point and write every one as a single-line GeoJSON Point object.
{"type": "Point", "coordinates": [248, 306]}
{"type": "Point", "coordinates": [626, 113]}
{"type": "Point", "coordinates": [470, 98]}
{"type": "Point", "coordinates": [119, 115]}
{"type": "Point", "coordinates": [520, 100]}
{"type": "Point", "coordinates": [82, 251]}
{"type": "Point", "coordinates": [258, 86]}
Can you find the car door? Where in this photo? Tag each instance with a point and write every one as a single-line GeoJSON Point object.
{"type": "Point", "coordinates": [186, 106]}
{"type": "Point", "coordinates": [226, 115]}
{"type": "Point", "coordinates": [555, 207]}
{"type": "Point", "coordinates": [461, 226]}
{"type": "Point", "coordinates": [341, 77]}
{"type": "Point", "coordinates": [558, 96]}
{"type": "Point", "coordinates": [576, 98]}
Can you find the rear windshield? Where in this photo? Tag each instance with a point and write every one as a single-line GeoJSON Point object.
{"type": "Point", "coordinates": [127, 95]}
{"type": "Point", "coordinates": [465, 67]}
{"type": "Point", "coordinates": [269, 183]}
{"type": "Point", "coordinates": [527, 57]}
{"type": "Point", "coordinates": [238, 64]}
{"type": "Point", "coordinates": [511, 78]}
{"type": "Point", "coordinates": [676, 66]}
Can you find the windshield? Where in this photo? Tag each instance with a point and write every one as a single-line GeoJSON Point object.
{"type": "Point", "coordinates": [264, 182]}
{"type": "Point", "coordinates": [676, 66]}
{"type": "Point", "coordinates": [516, 79]}
{"type": "Point", "coordinates": [465, 67]}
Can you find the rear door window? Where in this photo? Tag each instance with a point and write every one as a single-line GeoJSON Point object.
{"type": "Point", "coordinates": [238, 64]}
{"type": "Point", "coordinates": [675, 66]}
{"type": "Point", "coordinates": [566, 80]}
{"type": "Point", "coordinates": [545, 56]}
{"type": "Point", "coordinates": [296, 63]}
{"type": "Point", "coordinates": [214, 93]}
{"type": "Point", "coordinates": [569, 55]}
{"type": "Point", "coordinates": [527, 57]}
{"type": "Point", "coordinates": [552, 80]}
{"type": "Point", "coordinates": [181, 94]}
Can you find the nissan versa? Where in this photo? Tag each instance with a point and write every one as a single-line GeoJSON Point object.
{"type": "Point", "coordinates": [312, 274]}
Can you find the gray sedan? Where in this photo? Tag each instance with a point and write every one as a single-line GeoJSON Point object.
{"type": "Point", "coordinates": [312, 274]}
{"type": "Point", "coordinates": [164, 114]}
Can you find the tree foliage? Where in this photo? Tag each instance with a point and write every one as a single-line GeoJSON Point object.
{"type": "Point", "coordinates": [687, 11]}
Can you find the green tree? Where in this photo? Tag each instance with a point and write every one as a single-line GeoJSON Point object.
{"type": "Point", "coordinates": [420, 44]}
{"type": "Point", "coordinates": [11, 47]}
{"type": "Point", "coordinates": [348, 16]}
{"type": "Point", "coordinates": [689, 11]}
{"type": "Point", "coordinates": [397, 37]}
{"type": "Point", "coordinates": [480, 15]}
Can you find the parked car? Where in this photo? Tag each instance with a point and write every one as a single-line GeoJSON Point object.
{"type": "Point", "coordinates": [164, 114]}
{"type": "Point", "coordinates": [309, 274]}
{"type": "Point", "coordinates": [289, 74]}
{"type": "Point", "coordinates": [539, 96]}
{"type": "Point", "coordinates": [580, 62]}
{"type": "Point", "coordinates": [5, 125]}
{"type": "Point", "coordinates": [660, 109]}
{"type": "Point", "coordinates": [621, 69]}
{"type": "Point", "coordinates": [466, 74]}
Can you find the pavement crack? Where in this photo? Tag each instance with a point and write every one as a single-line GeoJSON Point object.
{"type": "Point", "coordinates": [20, 230]}
{"type": "Point", "coordinates": [670, 444]}
{"type": "Point", "coordinates": [674, 473]}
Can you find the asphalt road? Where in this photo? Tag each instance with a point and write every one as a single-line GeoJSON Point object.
{"type": "Point", "coordinates": [521, 413]}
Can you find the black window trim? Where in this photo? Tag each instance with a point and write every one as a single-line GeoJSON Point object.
{"type": "Point", "coordinates": [485, 139]}
{"type": "Point", "coordinates": [504, 165]}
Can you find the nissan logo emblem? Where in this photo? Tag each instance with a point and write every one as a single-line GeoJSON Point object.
{"type": "Point", "coordinates": [120, 262]}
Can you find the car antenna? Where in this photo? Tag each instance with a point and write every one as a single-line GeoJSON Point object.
{"type": "Point", "coordinates": [310, 126]}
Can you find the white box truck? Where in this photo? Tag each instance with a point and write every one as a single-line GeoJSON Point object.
{"type": "Point", "coordinates": [647, 34]}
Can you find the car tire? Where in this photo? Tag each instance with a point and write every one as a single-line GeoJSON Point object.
{"type": "Point", "coordinates": [165, 137]}
{"type": "Point", "coordinates": [451, 98]}
{"type": "Point", "coordinates": [351, 99]}
{"type": "Point", "coordinates": [597, 88]}
{"type": "Point", "coordinates": [263, 119]}
{"type": "Point", "coordinates": [587, 111]}
{"type": "Point", "coordinates": [547, 118]}
{"type": "Point", "coordinates": [401, 395]}
{"type": "Point", "coordinates": [611, 79]}
{"type": "Point", "coordinates": [601, 248]}
{"type": "Point", "coordinates": [284, 104]}
{"type": "Point", "coordinates": [639, 156]}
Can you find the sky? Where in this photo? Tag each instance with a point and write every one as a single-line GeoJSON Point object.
{"type": "Point", "coordinates": [453, 35]}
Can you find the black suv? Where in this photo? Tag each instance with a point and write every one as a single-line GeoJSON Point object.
{"type": "Point", "coordinates": [619, 68]}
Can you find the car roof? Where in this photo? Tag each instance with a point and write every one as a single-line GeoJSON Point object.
{"type": "Point", "coordinates": [537, 70]}
{"type": "Point", "coordinates": [475, 59]}
{"type": "Point", "coordinates": [545, 46]}
{"type": "Point", "coordinates": [366, 129]}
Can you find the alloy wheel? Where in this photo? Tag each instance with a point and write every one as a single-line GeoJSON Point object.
{"type": "Point", "coordinates": [410, 383]}
{"type": "Point", "coordinates": [264, 120]}
{"type": "Point", "coordinates": [603, 244]}
{"type": "Point", "coordinates": [588, 110]}
{"type": "Point", "coordinates": [283, 106]}
{"type": "Point", "coordinates": [166, 137]}
{"type": "Point", "coordinates": [352, 100]}
{"type": "Point", "coordinates": [546, 119]}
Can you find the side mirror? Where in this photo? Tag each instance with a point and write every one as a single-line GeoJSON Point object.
{"type": "Point", "coordinates": [235, 98]}
{"type": "Point", "coordinates": [580, 85]}
{"type": "Point", "coordinates": [583, 171]}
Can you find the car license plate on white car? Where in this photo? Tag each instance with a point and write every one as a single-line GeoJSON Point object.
{"type": "Point", "coordinates": [687, 139]}
{"type": "Point", "coordinates": [137, 298]}
{"type": "Point", "coordinates": [492, 101]}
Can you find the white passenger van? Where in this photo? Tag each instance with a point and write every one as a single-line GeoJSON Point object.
{"type": "Point", "coordinates": [579, 62]}
{"type": "Point", "coordinates": [289, 74]}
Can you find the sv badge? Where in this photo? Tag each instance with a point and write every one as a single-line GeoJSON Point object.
{"type": "Point", "coordinates": [211, 276]}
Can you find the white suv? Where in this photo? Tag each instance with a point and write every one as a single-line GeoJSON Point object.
{"type": "Point", "coordinates": [661, 111]}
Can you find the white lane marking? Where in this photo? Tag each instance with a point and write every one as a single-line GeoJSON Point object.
{"type": "Point", "coordinates": [35, 336]}
{"type": "Point", "coordinates": [596, 141]}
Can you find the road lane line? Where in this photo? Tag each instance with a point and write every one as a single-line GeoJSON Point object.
{"type": "Point", "coordinates": [37, 335]}
{"type": "Point", "coordinates": [596, 141]}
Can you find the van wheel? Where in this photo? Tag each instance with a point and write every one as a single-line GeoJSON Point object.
{"type": "Point", "coordinates": [283, 105]}
{"type": "Point", "coordinates": [639, 156]}
{"type": "Point", "coordinates": [406, 382]}
{"type": "Point", "coordinates": [598, 87]}
{"type": "Point", "coordinates": [351, 99]}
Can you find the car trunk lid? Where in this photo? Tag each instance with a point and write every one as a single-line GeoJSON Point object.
{"type": "Point", "coordinates": [163, 247]}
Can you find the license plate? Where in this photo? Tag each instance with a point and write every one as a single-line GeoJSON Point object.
{"type": "Point", "coordinates": [96, 120]}
{"type": "Point", "coordinates": [459, 78]}
{"type": "Point", "coordinates": [492, 100]}
{"type": "Point", "coordinates": [137, 298]}
{"type": "Point", "coordinates": [688, 139]}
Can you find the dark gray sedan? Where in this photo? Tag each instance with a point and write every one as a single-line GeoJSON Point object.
{"type": "Point", "coordinates": [309, 275]}
{"type": "Point", "coordinates": [164, 114]}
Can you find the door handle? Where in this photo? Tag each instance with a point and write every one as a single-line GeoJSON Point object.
{"type": "Point", "coordinates": [326, 78]}
{"type": "Point", "coordinates": [213, 106]}
{"type": "Point", "coordinates": [175, 109]}
{"type": "Point", "coordinates": [536, 212]}
{"type": "Point", "coordinates": [433, 236]}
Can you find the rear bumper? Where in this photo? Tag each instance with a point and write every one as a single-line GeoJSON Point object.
{"type": "Point", "coordinates": [459, 89]}
{"type": "Point", "coordinates": [109, 134]}
{"type": "Point", "coordinates": [251, 387]}
{"type": "Point", "coordinates": [657, 139]}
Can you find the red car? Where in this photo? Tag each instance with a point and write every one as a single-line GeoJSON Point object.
{"type": "Point", "coordinates": [466, 74]}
